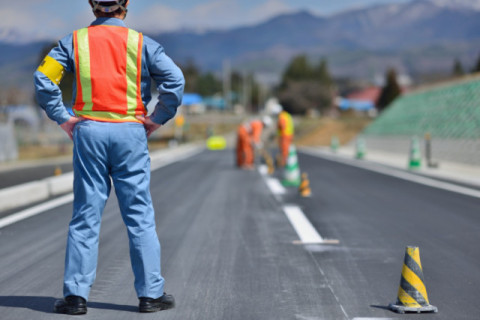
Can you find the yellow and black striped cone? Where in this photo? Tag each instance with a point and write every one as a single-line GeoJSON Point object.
{"type": "Point", "coordinates": [304, 188]}
{"type": "Point", "coordinates": [412, 294]}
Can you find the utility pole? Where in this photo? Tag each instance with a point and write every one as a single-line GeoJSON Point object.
{"type": "Point", "coordinates": [247, 92]}
{"type": "Point", "coordinates": [227, 83]}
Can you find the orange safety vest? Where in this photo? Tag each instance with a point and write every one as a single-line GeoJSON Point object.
{"type": "Point", "coordinates": [108, 62]}
{"type": "Point", "coordinates": [285, 124]}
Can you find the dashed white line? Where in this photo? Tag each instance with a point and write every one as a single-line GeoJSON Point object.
{"type": "Point", "coordinates": [305, 230]}
{"type": "Point", "coordinates": [275, 186]}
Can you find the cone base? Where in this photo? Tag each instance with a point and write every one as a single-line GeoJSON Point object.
{"type": "Point", "coordinates": [402, 309]}
{"type": "Point", "coordinates": [291, 183]}
{"type": "Point", "coordinates": [414, 164]}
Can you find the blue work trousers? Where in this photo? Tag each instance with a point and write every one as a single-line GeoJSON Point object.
{"type": "Point", "coordinates": [119, 151]}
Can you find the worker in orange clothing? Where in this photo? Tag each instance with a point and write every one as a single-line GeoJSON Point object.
{"type": "Point", "coordinates": [245, 155]}
{"type": "Point", "coordinates": [257, 126]}
{"type": "Point", "coordinates": [286, 131]}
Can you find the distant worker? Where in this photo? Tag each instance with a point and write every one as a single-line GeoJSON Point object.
{"type": "Point", "coordinates": [245, 155]}
{"type": "Point", "coordinates": [257, 127]}
{"type": "Point", "coordinates": [285, 132]}
{"type": "Point", "coordinates": [113, 67]}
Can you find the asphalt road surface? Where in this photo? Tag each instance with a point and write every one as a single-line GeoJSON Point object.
{"type": "Point", "coordinates": [229, 251]}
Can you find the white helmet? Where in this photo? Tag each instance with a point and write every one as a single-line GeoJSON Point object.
{"type": "Point", "coordinates": [267, 121]}
{"type": "Point", "coordinates": [276, 109]}
{"type": "Point", "coordinates": [109, 5]}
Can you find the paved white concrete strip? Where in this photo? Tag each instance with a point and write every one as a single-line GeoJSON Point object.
{"type": "Point", "coordinates": [60, 185]}
{"type": "Point", "coordinates": [30, 212]}
{"type": "Point", "coordinates": [400, 174]}
{"type": "Point", "coordinates": [40, 190]}
{"type": "Point", "coordinates": [23, 194]}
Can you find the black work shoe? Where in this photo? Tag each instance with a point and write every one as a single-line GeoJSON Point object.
{"type": "Point", "coordinates": [73, 305]}
{"type": "Point", "coordinates": [153, 305]}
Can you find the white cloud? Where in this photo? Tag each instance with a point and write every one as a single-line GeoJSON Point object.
{"type": "Point", "coordinates": [12, 30]}
{"type": "Point", "coordinates": [157, 18]}
{"type": "Point", "coordinates": [269, 9]}
{"type": "Point", "coordinates": [216, 14]}
{"type": "Point", "coordinates": [27, 20]}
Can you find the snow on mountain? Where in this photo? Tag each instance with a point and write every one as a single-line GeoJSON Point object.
{"type": "Point", "coordinates": [458, 4]}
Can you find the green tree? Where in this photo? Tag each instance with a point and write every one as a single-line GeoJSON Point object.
{"type": "Point", "coordinates": [305, 87]}
{"type": "Point", "coordinates": [477, 65]}
{"type": "Point", "coordinates": [298, 69]}
{"type": "Point", "coordinates": [390, 91]}
{"type": "Point", "coordinates": [458, 68]}
{"type": "Point", "coordinates": [191, 74]}
{"type": "Point", "coordinates": [322, 74]}
{"type": "Point", "coordinates": [208, 85]}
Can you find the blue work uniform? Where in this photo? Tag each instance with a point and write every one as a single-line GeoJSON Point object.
{"type": "Point", "coordinates": [104, 150]}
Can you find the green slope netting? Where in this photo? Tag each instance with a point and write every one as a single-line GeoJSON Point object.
{"type": "Point", "coordinates": [448, 111]}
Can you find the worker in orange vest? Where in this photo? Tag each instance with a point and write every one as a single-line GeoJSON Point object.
{"type": "Point", "coordinates": [286, 132]}
{"type": "Point", "coordinates": [113, 67]}
{"type": "Point", "coordinates": [245, 155]}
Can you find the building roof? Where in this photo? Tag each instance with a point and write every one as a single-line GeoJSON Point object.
{"type": "Point", "coordinates": [370, 94]}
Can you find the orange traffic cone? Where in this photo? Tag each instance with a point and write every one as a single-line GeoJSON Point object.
{"type": "Point", "coordinates": [304, 188]}
{"type": "Point", "coordinates": [57, 171]}
{"type": "Point", "coordinates": [412, 294]}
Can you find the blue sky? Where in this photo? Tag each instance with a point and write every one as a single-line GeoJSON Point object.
{"type": "Point", "coordinates": [41, 19]}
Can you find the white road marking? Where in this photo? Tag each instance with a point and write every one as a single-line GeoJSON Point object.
{"type": "Point", "coordinates": [275, 186]}
{"type": "Point", "coordinates": [263, 169]}
{"type": "Point", "coordinates": [305, 230]}
{"type": "Point", "coordinates": [402, 175]}
{"type": "Point", "coordinates": [33, 211]}
{"type": "Point", "coordinates": [372, 319]}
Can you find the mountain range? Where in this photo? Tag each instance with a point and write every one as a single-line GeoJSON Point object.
{"type": "Point", "coordinates": [418, 37]}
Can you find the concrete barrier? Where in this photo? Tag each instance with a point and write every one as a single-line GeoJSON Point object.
{"type": "Point", "coordinates": [60, 184]}
{"type": "Point", "coordinates": [31, 192]}
{"type": "Point", "coordinates": [23, 195]}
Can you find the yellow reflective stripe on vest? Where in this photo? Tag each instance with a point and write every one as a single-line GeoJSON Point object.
{"type": "Point", "coordinates": [132, 70]}
{"type": "Point", "coordinates": [84, 65]}
{"type": "Point", "coordinates": [289, 129]}
{"type": "Point", "coordinates": [52, 69]}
